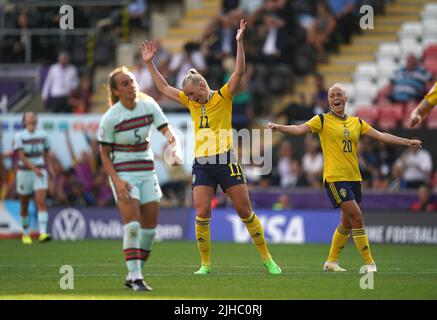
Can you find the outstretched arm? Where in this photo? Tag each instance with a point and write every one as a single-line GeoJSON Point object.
{"type": "Point", "coordinates": [420, 113]}
{"type": "Point", "coordinates": [291, 129]}
{"type": "Point", "coordinates": [240, 63]}
{"type": "Point", "coordinates": [392, 139]}
{"type": "Point", "coordinates": [148, 52]}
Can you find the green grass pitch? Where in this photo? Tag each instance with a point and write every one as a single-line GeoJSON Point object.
{"type": "Point", "coordinates": [404, 272]}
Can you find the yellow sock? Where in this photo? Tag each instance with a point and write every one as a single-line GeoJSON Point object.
{"type": "Point", "coordinates": [256, 231]}
{"type": "Point", "coordinates": [203, 237]}
{"type": "Point", "coordinates": [362, 244]}
{"type": "Point", "coordinates": [339, 239]}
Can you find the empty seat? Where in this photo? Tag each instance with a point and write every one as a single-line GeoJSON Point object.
{"type": "Point", "coordinates": [366, 71]}
{"type": "Point", "coordinates": [430, 7]}
{"type": "Point", "coordinates": [411, 30]}
{"type": "Point", "coordinates": [431, 66]}
{"type": "Point", "coordinates": [406, 118]}
{"type": "Point", "coordinates": [428, 40]}
{"type": "Point", "coordinates": [365, 90]}
{"type": "Point", "coordinates": [431, 121]}
{"type": "Point", "coordinates": [386, 68]}
{"type": "Point", "coordinates": [430, 52]}
{"type": "Point", "coordinates": [367, 113]}
{"type": "Point", "coordinates": [389, 117]}
{"type": "Point", "coordinates": [350, 89]}
{"type": "Point", "coordinates": [389, 50]}
{"type": "Point", "coordinates": [411, 46]}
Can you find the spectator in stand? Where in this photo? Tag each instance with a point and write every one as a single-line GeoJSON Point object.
{"type": "Point", "coordinates": [321, 30]}
{"type": "Point", "coordinates": [62, 79]}
{"type": "Point", "coordinates": [221, 39]}
{"type": "Point", "coordinates": [275, 48]}
{"type": "Point", "coordinates": [80, 99]}
{"type": "Point", "coordinates": [142, 74]}
{"type": "Point", "coordinates": [137, 10]}
{"type": "Point", "coordinates": [343, 12]}
{"type": "Point", "coordinates": [242, 112]}
{"type": "Point", "coordinates": [409, 83]}
{"type": "Point", "coordinates": [416, 166]}
{"type": "Point", "coordinates": [3, 172]}
{"type": "Point", "coordinates": [425, 200]}
{"type": "Point", "coordinates": [283, 203]}
{"type": "Point", "coordinates": [58, 187]}
{"type": "Point", "coordinates": [385, 155]}
{"type": "Point", "coordinates": [367, 161]}
{"type": "Point", "coordinates": [284, 163]}
{"type": "Point", "coordinates": [320, 97]}
{"type": "Point", "coordinates": [83, 168]}
{"type": "Point", "coordinates": [190, 57]}
{"type": "Point", "coordinates": [312, 162]}
{"type": "Point", "coordinates": [103, 192]}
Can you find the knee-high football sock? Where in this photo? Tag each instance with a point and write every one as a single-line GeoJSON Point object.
{"type": "Point", "coordinates": [203, 238]}
{"type": "Point", "coordinates": [131, 248]}
{"type": "Point", "coordinates": [255, 229]}
{"type": "Point", "coordinates": [146, 241]}
{"type": "Point", "coordinates": [339, 239]}
{"type": "Point", "coordinates": [362, 244]}
{"type": "Point", "coordinates": [25, 224]}
{"type": "Point", "coordinates": [43, 218]}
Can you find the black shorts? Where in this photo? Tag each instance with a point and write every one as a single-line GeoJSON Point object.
{"type": "Point", "coordinates": [214, 173]}
{"type": "Point", "coordinates": [342, 191]}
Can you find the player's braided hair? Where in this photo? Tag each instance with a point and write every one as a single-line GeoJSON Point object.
{"type": "Point", "coordinates": [195, 78]}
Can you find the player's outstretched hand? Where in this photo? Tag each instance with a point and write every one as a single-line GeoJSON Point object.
{"type": "Point", "coordinates": [272, 126]}
{"type": "Point", "coordinates": [416, 144]}
{"type": "Point", "coordinates": [148, 51]}
{"type": "Point", "coordinates": [240, 32]}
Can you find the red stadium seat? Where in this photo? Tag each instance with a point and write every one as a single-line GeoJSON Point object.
{"type": "Point", "coordinates": [406, 117]}
{"type": "Point", "coordinates": [368, 114]}
{"type": "Point", "coordinates": [388, 117]}
{"type": "Point", "coordinates": [432, 119]}
{"type": "Point", "coordinates": [430, 52]}
{"type": "Point", "coordinates": [431, 65]}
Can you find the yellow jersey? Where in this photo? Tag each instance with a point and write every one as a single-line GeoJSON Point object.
{"type": "Point", "coordinates": [339, 140]}
{"type": "Point", "coordinates": [212, 122]}
{"type": "Point", "coordinates": [431, 97]}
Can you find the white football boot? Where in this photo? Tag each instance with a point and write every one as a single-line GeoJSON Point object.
{"type": "Point", "coordinates": [333, 266]}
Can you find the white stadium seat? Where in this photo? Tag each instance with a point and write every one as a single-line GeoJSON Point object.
{"type": "Point", "coordinates": [366, 71]}
{"type": "Point", "coordinates": [411, 30]}
{"type": "Point", "coordinates": [389, 50]}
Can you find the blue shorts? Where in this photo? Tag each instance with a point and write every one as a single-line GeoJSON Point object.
{"type": "Point", "coordinates": [342, 191]}
{"type": "Point", "coordinates": [213, 174]}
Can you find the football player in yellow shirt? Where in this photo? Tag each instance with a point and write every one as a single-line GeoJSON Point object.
{"type": "Point", "coordinates": [424, 107]}
{"type": "Point", "coordinates": [339, 134]}
{"type": "Point", "coordinates": [215, 162]}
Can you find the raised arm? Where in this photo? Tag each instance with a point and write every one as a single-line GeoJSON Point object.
{"type": "Point", "coordinates": [148, 52]}
{"type": "Point", "coordinates": [291, 129]}
{"type": "Point", "coordinates": [392, 139]}
{"type": "Point", "coordinates": [240, 62]}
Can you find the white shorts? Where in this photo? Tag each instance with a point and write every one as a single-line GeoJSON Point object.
{"type": "Point", "coordinates": [28, 182]}
{"type": "Point", "coordinates": [144, 190]}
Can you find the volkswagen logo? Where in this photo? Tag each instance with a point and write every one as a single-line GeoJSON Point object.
{"type": "Point", "coordinates": [69, 224]}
